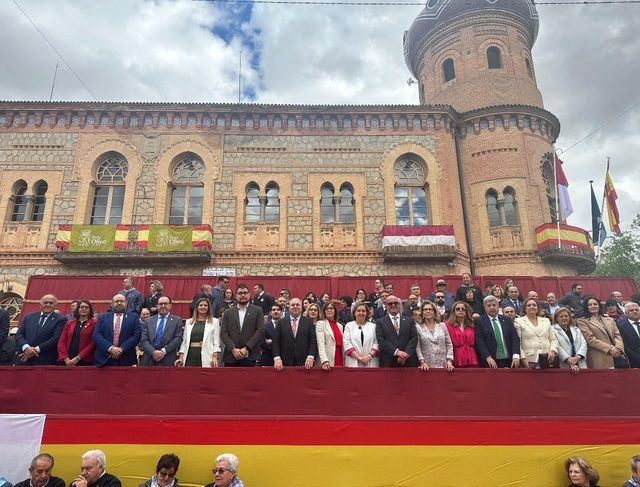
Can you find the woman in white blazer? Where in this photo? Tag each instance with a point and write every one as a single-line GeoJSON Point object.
{"type": "Point", "coordinates": [536, 335]}
{"type": "Point", "coordinates": [329, 335]}
{"type": "Point", "coordinates": [572, 347]}
{"type": "Point", "coordinates": [360, 343]}
{"type": "Point", "coordinates": [201, 339]}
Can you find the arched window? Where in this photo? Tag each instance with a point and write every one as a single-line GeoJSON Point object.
{"type": "Point", "coordinates": [529, 68]}
{"type": "Point", "coordinates": [510, 210]}
{"type": "Point", "coordinates": [492, 208]}
{"type": "Point", "coordinates": [39, 201]}
{"type": "Point", "coordinates": [108, 195]}
{"type": "Point", "coordinates": [550, 186]}
{"type": "Point", "coordinates": [494, 58]}
{"type": "Point", "coordinates": [448, 70]}
{"type": "Point", "coordinates": [20, 201]}
{"type": "Point", "coordinates": [347, 204]}
{"type": "Point", "coordinates": [327, 209]}
{"type": "Point", "coordinates": [272, 205]}
{"type": "Point", "coordinates": [252, 203]}
{"type": "Point", "coordinates": [410, 192]}
{"type": "Point", "coordinates": [187, 190]}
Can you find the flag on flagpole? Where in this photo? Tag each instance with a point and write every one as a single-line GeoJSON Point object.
{"type": "Point", "coordinates": [612, 207]}
{"type": "Point", "coordinates": [597, 226]}
{"type": "Point", "coordinates": [564, 203]}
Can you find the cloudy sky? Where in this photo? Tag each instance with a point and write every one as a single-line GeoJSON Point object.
{"type": "Point", "coordinates": [586, 61]}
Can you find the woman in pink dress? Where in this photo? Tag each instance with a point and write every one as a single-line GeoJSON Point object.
{"type": "Point", "coordinates": [462, 333]}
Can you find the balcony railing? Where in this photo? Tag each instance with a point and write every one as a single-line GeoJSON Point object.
{"type": "Point", "coordinates": [572, 246]}
{"type": "Point", "coordinates": [134, 243]}
{"type": "Point", "coordinates": [420, 242]}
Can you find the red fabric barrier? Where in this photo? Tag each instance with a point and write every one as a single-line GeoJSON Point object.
{"type": "Point", "coordinates": [100, 289]}
{"type": "Point", "coordinates": [342, 393]}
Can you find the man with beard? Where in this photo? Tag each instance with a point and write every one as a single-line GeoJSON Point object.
{"type": "Point", "coordinates": [116, 335]}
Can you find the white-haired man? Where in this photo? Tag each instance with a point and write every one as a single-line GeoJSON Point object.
{"type": "Point", "coordinates": [40, 473]}
{"type": "Point", "coordinates": [93, 472]}
{"type": "Point", "coordinates": [226, 472]}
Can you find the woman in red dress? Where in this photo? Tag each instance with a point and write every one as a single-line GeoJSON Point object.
{"type": "Point", "coordinates": [462, 333]}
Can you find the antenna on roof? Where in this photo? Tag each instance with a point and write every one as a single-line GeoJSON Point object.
{"type": "Point", "coordinates": [53, 84]}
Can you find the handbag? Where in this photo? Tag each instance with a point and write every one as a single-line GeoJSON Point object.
{"type": "Point", "coordinates": [545, 363]}
{"type": "Point", "coordinates": [621, 362]}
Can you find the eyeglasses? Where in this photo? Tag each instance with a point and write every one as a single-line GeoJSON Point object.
{"type": "Point", "coordinates": [393, 303]}
{"type": "Point", "coordinates": [83, 307]}
{"type": "Point", "coordinates": [219, 471]}
{"type": "Point", "coordinates": [441, 284]}
{"type": "Point", "coordinates": [242, 293]}
{"type": "Point", "coordinates": [460, 309]}
{"type": "Point", "coordinates": [166, 474]}
{"type": "Point", "coordinates": [164, 304]}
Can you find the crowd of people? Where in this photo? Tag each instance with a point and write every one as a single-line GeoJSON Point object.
{"type": "Point", "coordinates": [93, 472]}
{"type": "Point", "coordinates": [494, 328]}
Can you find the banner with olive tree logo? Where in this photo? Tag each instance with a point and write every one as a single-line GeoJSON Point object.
{"type": "Point", "coordinates": [167, 238]}
{"type": "Point", "coordinates": [92, 238]}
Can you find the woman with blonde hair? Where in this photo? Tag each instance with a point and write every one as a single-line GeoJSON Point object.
{"type": "Point", "coordinates": [572, 347]}
{"type": "Point", "coordinates": [201, 339]}
{"type": "Point", "coordinates": [538, 342]}
{"type": "Point", "coordinates": [581, 473]}
{"type": "Point", "coordinates": [434, 349]}
{"type": "Point", "coordinates": [313, 313]}
{"type": "Point", "coordinates": [329, 336]}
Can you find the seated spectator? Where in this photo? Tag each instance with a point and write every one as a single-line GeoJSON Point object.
{"type": "Point", "coordinates": [76, 346]}
{"type": "Point", "coordinates": [604, 343]}
{"type": "Point", "coordinates": [611, 310]}
{"type": "Point", "coordinates": [434, 349]}
{"type": "Point", "coordinates": [359, 341]}
{"type": "Point", "coordinates": [629, 328]}
{"type": "Point", "coordinates": [201, 344]}
{"type": "Point", "coordinates": [397, 337]}
{"type": "Point", "coordinates": [329, 336]}
{"type": "Point", "coordinates": [40, 471]}
{"type": "Point", "coordinates": [38, 334]}
{"type": "Point", "coordinates": [93, 471]}
{"type": "Point", "coordinates": [496, 340]}
{"type": "Point", "coordinates": [151, 300]}
{"type": "Point", "coordinates": [475, 304]}
{"type": "Point", "coordinates": [116, 335]}
{"type": "Point", "coordinates": [513, 299]}
{"type": "Point", "coordinates": [581, 473]}
{"type": "Point", "coordinates": [634, 480]}
{"type": "Point", "coordinates": [572, 347]}
{"type": "Point", "coordinates": [226, 472]}
{"type": "Point", "coordinates": [345, 315]}
{"type": "Point", "coordinates": [166, 471]}
{"type": "Point", "coordinates": [573, 300]}
{"type": "Point", "coordinates": [462, 333]}
{"type": "Point", "coordinates": [538, 342]}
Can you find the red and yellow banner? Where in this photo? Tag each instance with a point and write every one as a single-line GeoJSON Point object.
{"type": "Point", "coordinates": [174, 238]}
{"type": "Point", "coordinates": [92, 238]}
{"type": "Point", "coordinates": [547, 235]}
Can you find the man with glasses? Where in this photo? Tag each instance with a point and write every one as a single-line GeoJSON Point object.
{"type": "Point", "coordinates": [242, 331]}
{"type": "Point", "coordinates": [116, 335]}
{"type": "Point", "coordinates": [441, 287]}
{"type": "Point", "coordinates": [397, 337]}
{"type": "Point", "coordinates": [161, 336]}
{"type": "Point", "coordinates": [38, 334]}
{"type": "Point", "coordinates": [166, 471]}
{"type": "Point", "coordinates": [226, 472]}
{"type": "Point", "coordinates": [217, 293]}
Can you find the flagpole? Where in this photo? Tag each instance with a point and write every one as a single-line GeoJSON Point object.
{"type": "Point", "coordinates": [593, 235]}
{"type": "Point", "coordinates": [555, 180]}
{"type": "Point", "coordinates": [604, 192]}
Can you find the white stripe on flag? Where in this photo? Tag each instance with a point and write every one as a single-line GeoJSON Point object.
{"type": "Point", "coordinates": [20, 438]}
{"type": "Point", "coordinates": [421, 240]}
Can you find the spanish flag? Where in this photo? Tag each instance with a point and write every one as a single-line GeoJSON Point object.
{"type": "Point", "coordinates": [612, 207]}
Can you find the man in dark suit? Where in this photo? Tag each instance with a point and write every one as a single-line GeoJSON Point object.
{"type": "Point", "coordinates": [266, 358]}
{"type": "Point", "coordinates": [4, 328]}
{"type": "Point", "coordinates": [380, 309]}
{"type": "Point", "coordinates": [132, 295]}
{"type": "Point", "coordinates": [294, 342]}
{"type": "Point", "coordinates": [397, 337]}
{"type": "Point", "coordinates": [497, 342]}
{"type": "Point", "coordinates": [38, 334]}
{"type": "Point", "coordinates": [513, 300]}
{"type": "Point", "coordinates": [40, 473]}
{"type": "Point", "coordinates": [93, 472]}
{"type": "Point", "coordinates": [467, 283]}
{"type": "Point", "coordinates": [262, 299]}
{"type": "Point", "coordinates": [116, 335]}
{"type": "Point", "coordinates": [629, 327]}
{"type": "Point", "coordinates": [161, 336]}
{"type": "Point", "coordinates": [242, 331]}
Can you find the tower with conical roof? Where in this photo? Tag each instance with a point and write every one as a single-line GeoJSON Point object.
{"type": "Point", "coordinates": [475, 56]}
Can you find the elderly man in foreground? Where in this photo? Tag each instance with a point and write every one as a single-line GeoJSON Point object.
{"type": "Point", "coordinates": [226, 472]}
{"type": "Point", "coordinates": [93, 472]}
{"type": "Point", "coordinates": [40, 473]}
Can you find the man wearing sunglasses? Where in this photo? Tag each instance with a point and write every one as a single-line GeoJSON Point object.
{"type": "Point", "coordinates": [226, 472]}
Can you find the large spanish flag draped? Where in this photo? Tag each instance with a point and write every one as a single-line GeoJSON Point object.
{"type": "Point", "coordinates": [611, 198]}
{"type": "Point", "coordinates": [366, 428]}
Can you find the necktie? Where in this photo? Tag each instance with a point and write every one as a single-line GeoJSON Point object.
{"type": "Point", "coordinates": [294, 326]}
{"type": "Point", "coordinates": [159, 332]}
{"type": "Point", "coordinates": [43, 318]}
{"type": "Point", "coordinates": [396, 325]}
{"type": "Point", "coordinates": [637, 323]}
{"type": "Point", "coordinates": [116, 330]}
{"type": "Point", "coordinates": [361, 336]}
{"type": "Point", "coordinates": [498, 332]}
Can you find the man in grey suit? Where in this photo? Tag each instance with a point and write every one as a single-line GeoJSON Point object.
{"type": "Point", "coordinates": [161, 336]}
{"type": "Point", "coordinates": [242, 331]}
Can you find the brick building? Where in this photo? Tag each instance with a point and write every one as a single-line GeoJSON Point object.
{"type": "Point", "coordinates": [306, 190]}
